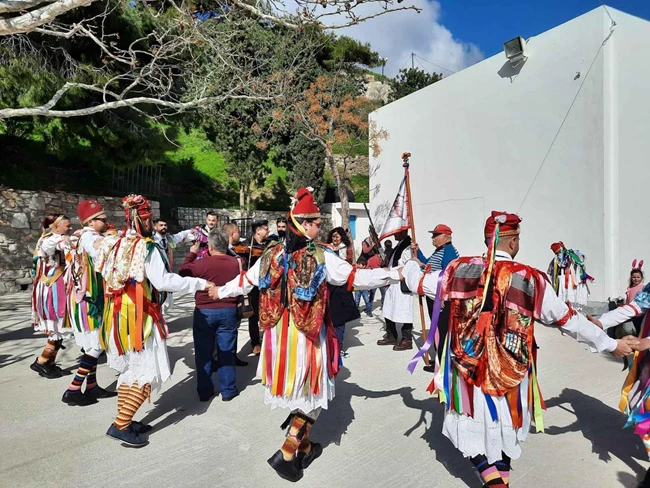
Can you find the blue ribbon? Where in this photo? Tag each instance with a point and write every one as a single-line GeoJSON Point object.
{"type": "Point", "coordinates": [437, 305]}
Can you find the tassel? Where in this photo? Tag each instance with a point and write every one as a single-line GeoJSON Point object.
{"type": "Point", "coordinates": [286, 423]}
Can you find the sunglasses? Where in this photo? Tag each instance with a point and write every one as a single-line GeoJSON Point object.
{"type": "Point", "coordinates": [102, 220]}
{"type": "Point", "coordinates": [317, 224]}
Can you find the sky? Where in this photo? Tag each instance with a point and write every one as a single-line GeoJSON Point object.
{"type": "Point", "coordinates": [449, 35]}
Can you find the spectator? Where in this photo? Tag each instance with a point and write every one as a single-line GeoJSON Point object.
{"type": "Point", "coordinates": [214, 320]}
{"type": "Point", "coordinates": [342, 306]}
{"type": "Point", "coordinates": [388, 252]}
{"type": "Point", "coordinates": [368, 295]}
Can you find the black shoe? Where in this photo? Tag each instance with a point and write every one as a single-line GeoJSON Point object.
{"type": "Point", "coordinates": [239, 362]}
{"type": "Point", "coordinates": [99, 392]}
{"type": "Point", "coordinates": [288, 470]}
{"type": "Point", "coordinates": [141, 428]}
{"type": "Point", "coordinates": [128, 436]}
{"type": "Point", "coordinates": [77, 399]}
{"type": "Point", "coordinates": [307, 459]}
{"type": "Point", "coordinates": [227, 399]}
{"type": "Point", "coordinates": [205, 398]}
{"type": "Point", "coordinates": [429, 369]}
{"type": "Point", "coordinates": [44, 370]}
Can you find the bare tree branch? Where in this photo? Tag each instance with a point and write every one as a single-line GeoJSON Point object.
{"type": "Point", "coordinates": [7, 6]}
{"type": "Point", "coordinates": [29, 21]}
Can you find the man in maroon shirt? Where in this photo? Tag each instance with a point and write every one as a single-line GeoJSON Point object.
{"type": "Point", "coordinates": [214, 318]}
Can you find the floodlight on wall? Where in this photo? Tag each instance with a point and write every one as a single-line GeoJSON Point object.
{"type": "Point", "coordinates": [515, 50]}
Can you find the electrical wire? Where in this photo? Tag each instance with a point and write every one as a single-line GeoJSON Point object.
{"type": "Point", "coordinates": [436, 65]}
{"type": "Point", "coordinates": [566, 116]}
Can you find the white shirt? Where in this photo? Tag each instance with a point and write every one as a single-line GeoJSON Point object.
{"type": "Point", "coordinates": [621, 314]}
{"type": "Point", "coordinates": [553, 308]}
{"type": "Point", "coordinates": [87, 240]}
{"type": "Point", "coordinates": [52, 243]}
{"type": "Point", "coordinates": [337, 270]}
{"type": "Point", "coordinates": [173, 238]}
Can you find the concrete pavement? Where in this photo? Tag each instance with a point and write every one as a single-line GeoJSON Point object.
{"type": "Point", "coordinates": [382, 429]}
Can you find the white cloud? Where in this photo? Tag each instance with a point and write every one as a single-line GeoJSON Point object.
{"type": "Point", "coordinates": [396, 35]}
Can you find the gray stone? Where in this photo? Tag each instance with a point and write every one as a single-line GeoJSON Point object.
{"type": "Point", "coordinates": [37, 203]}
{"type": "Point", "coordinates": [20, 221]}
{"type": "Point", "coordinates": [12, 248]}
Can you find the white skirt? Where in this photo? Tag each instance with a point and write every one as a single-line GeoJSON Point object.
{"type": "Point", "coordinates": [87, 340]}
{"type": "Point", "coordinates": [481, 435]}
{"type": "Point", "coordinates": [301, 397]}
{"type": "Point", "coordinates": [151, 365]}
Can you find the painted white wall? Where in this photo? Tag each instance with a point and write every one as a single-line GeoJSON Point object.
{"type": "Point", "coordinates": [363, 222]}
{"type": "Point", "coordinates": [478, 139]}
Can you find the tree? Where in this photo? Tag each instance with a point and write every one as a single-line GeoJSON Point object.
{"type": "Point", "coordinates": [409, 81]}
{"type": "Point", "coordinates": [331, 115]}
{"type": "Point", "coordinates": [159, 72]}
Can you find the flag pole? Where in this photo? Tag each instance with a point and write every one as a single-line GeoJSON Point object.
{"type": "Point", "coordinates": [405, 158]}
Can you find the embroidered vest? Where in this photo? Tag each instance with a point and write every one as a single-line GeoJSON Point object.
{"type": "Point", "coordinates": [493, 347]}
{"type": "Point", "coordinates": [297, 281]}
{"type": "Point", "coordinates": [87, 286]}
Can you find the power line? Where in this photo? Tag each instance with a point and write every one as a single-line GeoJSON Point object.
{"type": "Point", "coordinates": [436, 65]}
{"type": "Point", "coordinates": [566, 116]}
{"type": "Point", "coordinates": [425, 70]}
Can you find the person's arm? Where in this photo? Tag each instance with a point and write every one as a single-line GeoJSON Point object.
{"type": "Point", "coordinates": [338, 271]}
{"type": "Point", "coordinates": [556, 312]}
{"type": "Point", "coordinates": [413, 274]}
{"type": "Point", "coordinates": [53, 243]}
{"type": "Point", "coordinates": [233, 288]}
{"type": "Point", "coordinates": [421, 257]}
{"type": "Point", "coordinates": [181, 236]}
{"type": "Point", "coordinates": [163, 280]}
{"type": "Point", "coordinates": [187, 268]}
{"type": "Point", "coordinates": [90, 242]}
{"type": "Point", "coordinates": [620, 315]}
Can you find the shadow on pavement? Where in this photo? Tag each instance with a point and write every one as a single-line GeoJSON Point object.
{"type": "Point", "coordinates": [340, 415]}
{"type": "Point", "coordinates": [603, 426]}
{"type": "Point", "coordinates": [452, 459]}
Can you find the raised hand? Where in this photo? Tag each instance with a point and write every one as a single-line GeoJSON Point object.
{"type": "Point", "coordinates": [195, 247]}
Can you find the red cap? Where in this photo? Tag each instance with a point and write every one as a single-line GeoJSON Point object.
{"type": "Point", "coordinates": [556, 247]}
{"type": "Point", "coordinates": [441, 229]}
{"type": "Point", "coordinates": [305, 206]}
{"type": "Point", "coordinates": [88, 210]}
{"type": "Point", "coordinates": [508, 224]}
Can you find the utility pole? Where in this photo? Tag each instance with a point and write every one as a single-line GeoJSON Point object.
{"type": "Point", "coordinates": [412, 60]}
{"type": "Point", "coordinates": [383, 65]}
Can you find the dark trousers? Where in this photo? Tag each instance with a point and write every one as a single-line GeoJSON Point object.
{"type": "Point", "coordinates": [210, 327]}
{"type": "Point", "coordinates": [407, 330]}
{"type": "Point", "coordinates": [340, 332]}
{"type": "Point", "coordinates": [254, 320]}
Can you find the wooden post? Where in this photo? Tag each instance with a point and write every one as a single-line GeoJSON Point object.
{"type": "Point", "coordinates": [405, 158]}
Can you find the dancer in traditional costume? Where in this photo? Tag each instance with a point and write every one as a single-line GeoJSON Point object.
{"type": "Point", "coordinates": [136, 279]}
{"type": "Point", "coordinates": [49, 293]}
{"type": "Point", "coordinates": [86, 304]}
{"type": "Point", "coordinates": [569, 275]}
{"type": "Point", "coordinates": [488, 377]}
{"type": "Point", "coordinates": [635, 397]}
{"type": "Point", "coordinates": [300, 353]}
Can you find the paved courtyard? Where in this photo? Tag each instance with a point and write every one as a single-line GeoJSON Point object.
{"type": "Point", "coordinates": [382, 429]}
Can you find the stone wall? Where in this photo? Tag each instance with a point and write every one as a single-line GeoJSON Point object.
{"type": "Point", "coordinates": [21, 214]}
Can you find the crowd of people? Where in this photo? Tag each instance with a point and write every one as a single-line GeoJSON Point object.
{"type": "Point", "coordinates": [110, 289]}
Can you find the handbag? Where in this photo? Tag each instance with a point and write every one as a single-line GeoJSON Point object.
{"type": "Point", "coordinates": [244, 307]}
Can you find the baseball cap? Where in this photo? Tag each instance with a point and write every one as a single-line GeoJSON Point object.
{"type": "Point", "coordinates": [441, 229]}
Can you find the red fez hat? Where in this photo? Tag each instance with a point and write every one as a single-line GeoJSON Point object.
{"type": "Point", "coordinates": [305, 206]}
{"type": "Point", "coordinates": [441, 229]}
{"type": "Point", "coordinates": [508, 224]}
{"type": "Point", "coordinates": [556, 247]}
{"type": "Point", "coordinates": [88, 210]}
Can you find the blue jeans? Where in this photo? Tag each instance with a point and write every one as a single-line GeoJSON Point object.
{"type": "Point", "coordinates": [368, 298]}
{"type": "Point", "coordinates": [222, 324]}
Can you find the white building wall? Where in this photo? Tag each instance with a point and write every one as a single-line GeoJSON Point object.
{"type": "Point", "coordinates": [631, 66]}
{"type": "Point", "coordinates": [478, 139]}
